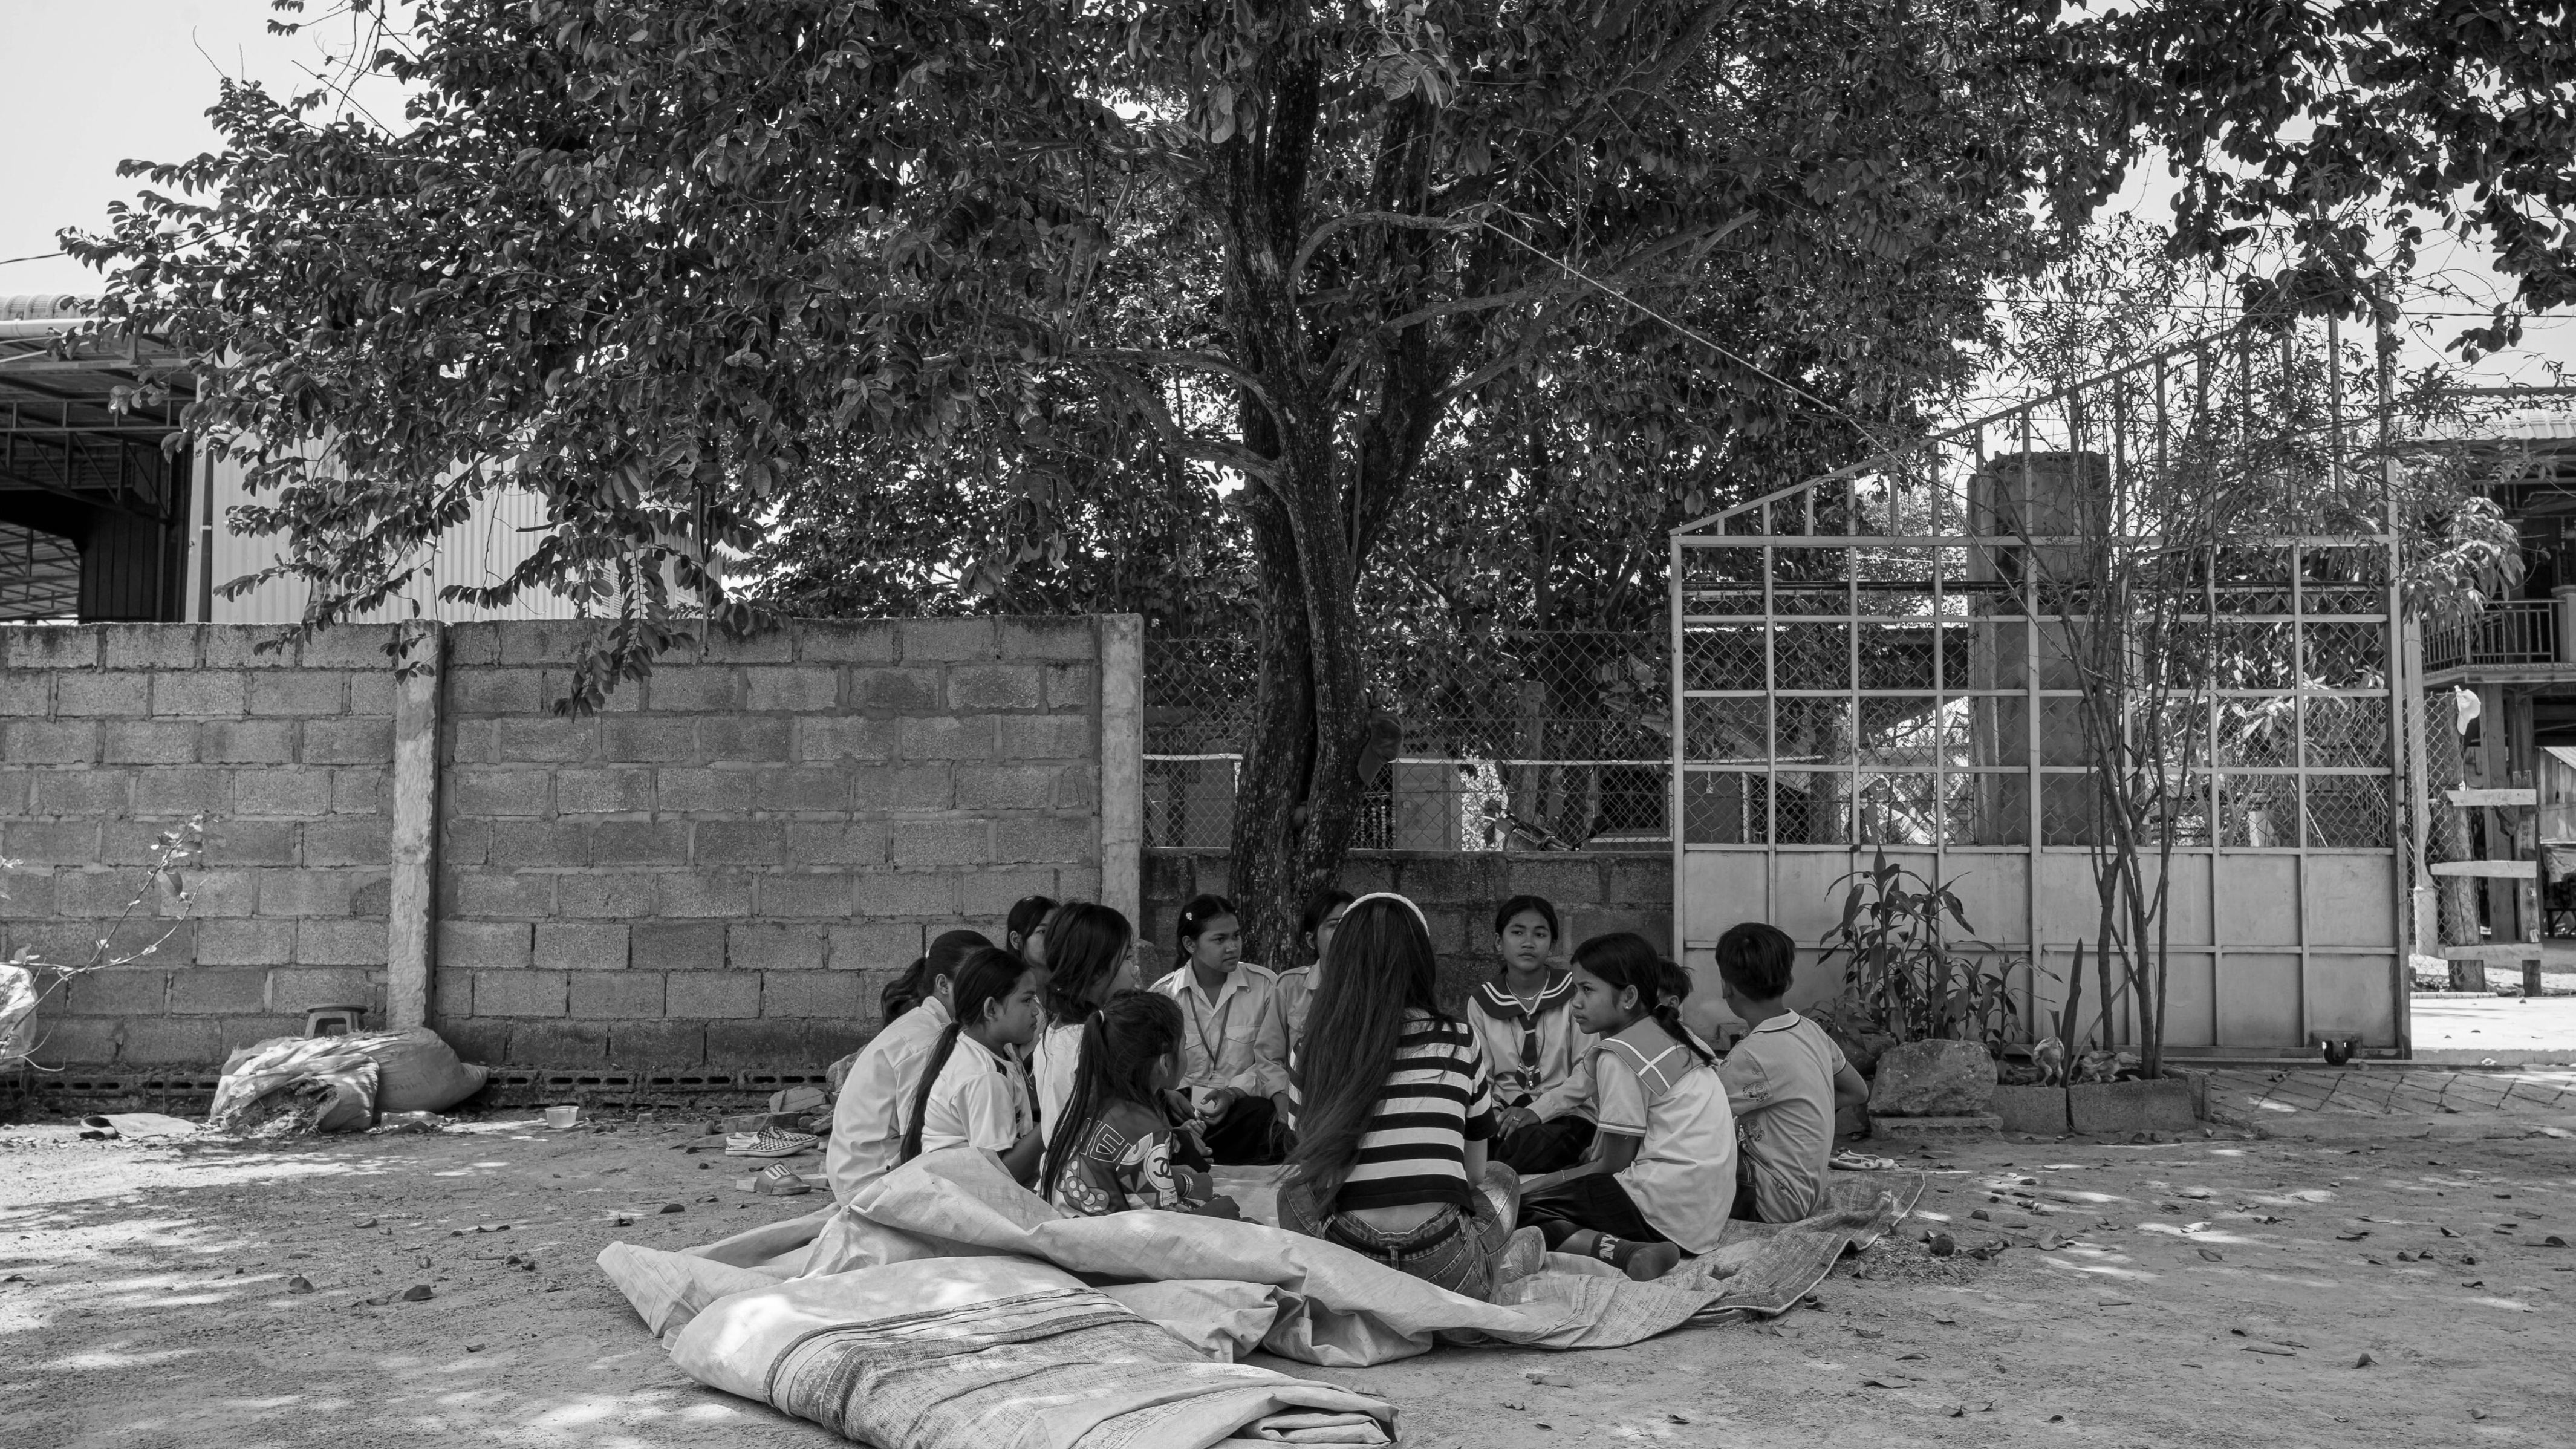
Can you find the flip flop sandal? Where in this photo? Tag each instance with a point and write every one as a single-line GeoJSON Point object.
{"type": "Point", "coordinates": [98, 1129]}
{"type": "Point", "coordinates": [779, 1180]}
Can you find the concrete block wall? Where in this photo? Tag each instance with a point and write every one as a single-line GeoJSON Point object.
{"type": "Point", "coordinates": [111, 734]}
{"type": "Point", "coordinates": [1457, 891]}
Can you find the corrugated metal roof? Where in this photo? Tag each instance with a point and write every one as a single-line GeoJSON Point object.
{"type": "Point", "coordinates": [43, 306]}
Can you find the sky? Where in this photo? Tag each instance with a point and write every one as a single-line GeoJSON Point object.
{"type": "Point", "coordinates": [99, 81]}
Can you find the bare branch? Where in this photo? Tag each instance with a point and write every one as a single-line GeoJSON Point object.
{"type": "Point", "coordinates": [1323, 230]}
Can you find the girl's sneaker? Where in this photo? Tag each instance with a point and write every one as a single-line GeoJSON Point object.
{"type": "Point", "coordinates": [770, 1142]}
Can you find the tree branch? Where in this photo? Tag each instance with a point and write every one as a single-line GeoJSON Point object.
{"type": "Point", "coordinates": [1316, 238]}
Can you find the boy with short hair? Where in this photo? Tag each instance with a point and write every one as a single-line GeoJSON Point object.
{"type": "Point", "coordinates": [1784, 1080]}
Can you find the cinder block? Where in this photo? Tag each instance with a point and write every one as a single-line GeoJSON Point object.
{"type": "Point", "coordinates": [762, 1043]}
{"type": "Point", "coordinates": [148, 1041]}
{"type": "Point", "coordinates": [77, 1042]}
{"type": "Point", "coordinates": [349, 840]}
{"type": "Point", "coordinates": [114, 694]}
{"type": "Point", "coordinates": [473, 645]}
{"type": "Point", "coordinates": [40, 742]}
{"type": "Point", "coordinates": [683, 895]}
{"type": "Point", "coordinates": [1044, 737]}
{"type": "Point", "coordinates": [911, 786]}
{"type": "Point", "coordinates": [922, 844]}
{"type": "Point", "coordinates": [676, 946]}
{"type": "Point", "coordinates": [738, 842]}
{"type": "Point", "coordinates": [351, 646]}
{"type": "Point", "coordinates": [1566, 882]}
{"type": "Point", "coordinates": [704, 995]}
{"type": "Point", "coordinates": [471, 742]}
{"type": "Point", "coordinates": [572, 1044]}
{"type": "Point", "coordinates": [1077, 787]}
{"type": "Point", "coordinates": [98, 894]}
{"type": "Point", "coordinates": [246, 742]}
{"type": "Point", "coordinates": [373, 897]}
{"type": "Point", "coordinates": [83, 792]}
{"type": "Point", "coordinates": [496, 691]}
{"type": "Point", "coordinates": [773, 946]}
{"type": "Point", "coordinates": [745, 739]}
{"type": "Point", "coordinates": [1005, 787]}
{"type": "Point", "coordinates": [234, 841]}
{"type": "Point", "coordinates": [371, 693]}
{"type": "Point", "coordinates": [312, 892]}
{"type": "Point", "coordinates": [1043, 637]}
{"type": "Point", "coordinates": [1077, 883]}
{"type": "Point", "coordinates": [253, 942]}
{"type": "Point", "coordinates": [361, 790]}
{"type": "Point", "coordinates": [856, 842]}
{"type": "Point", "coordinates": [1641, 881]}
{"type": "Point", "coordinates": [908, 893]}
{"type": "Point", "coordinates": [803, 791]}
{"type": "Point", "coordinates": [992, 893]}
{"type": "Point", "coordinates": [639, 842]}
{"type": "Point", "coordinates": [882, 945]}
{"type": "Point", "coordinates": [766, 646]}
{"type": "Point", "coordinates": [607, 995]}
{"type": "Point", "coordinates": [65, 943]}
{"type": "Point", "coordinates": [150, 742]}
{"type": "Point", "coordinates": [293, 692]}
{"type": "Point", "coordinates": [151, 646]}
{"type": "Point", "coordinates": [656, 1045]}
{"type": "Point", "coordinates": [480, 946]}
{"type": "Point", "coordinates": [844, 737]}
{"type": "Point", "coordinates": [49, 648]}
{"type": "Point", "coordinates": [218, 991]}
{"type": "Point", "coordinates": [841, 995]}
{"type": "Point", "coordinates": [212, 692]}
{"type": "Point", "coordinates": [545, 739]}
{"type": "Point", "coordinates": [580, 946]}
{"type": "Point", "coordinates": [349, 742]}
{"type": "Point", "coordinates": [27, 694]}
{"type": "Point", "coordinates": [465, 842]}
{"type": "Point", "coordinates": [995, 687]}
{"type": "Point", "coordinates": [28, 894]}
{"type": "Point", "coordinates": [648, 738]}
{"type": "Point", "coordinates": [338, 943]}
{"type": "Point", "coordinates": [291, 992]}
{"type": "Point", "coordinates": [844, 641]}
{"type": "Point", "coordinates": [2121, 1109]}
{"type": "Point", "coordinates": [179, 791]}
{"type": "Point", "coordinates": [946, 639]}
{"type": "Point", "coordinates": [251, 646]}
{"type": "Point", "coordinates": [603, 792]}
{"type": "Point", "coordinates": [1043, 838]}
{"type": "Point", "coordinates": [800, 690]}
{"type": "Point", "coordinates": [131, 991]}
{"type": "Point", "coordinates": [52, 843]}
{"type": "Point", "coordinates": [897, 691]}
{"type": "Point", "coordinates": [229, 894]}
{"type": "Point", "coordinates": [803, 895]}
{"type": "Point", "coordinates": [1070, 687]}
{"type": "Point", "coordinates": [288, 793]}
{"type": "Point", "coordinates": [710, 791]}
{"type": "Point", "coordinates": [946, 737]}
{"type": "Point", "coordinates": [500, 792]}
{"type": "Point", "coordinates": [509, 895]}
{"type": "Point", "coordinates": [542, 641]}
{"type": "Point", "coordinates": [518, 844]}
{"type": "Point", "coordinates": [1468, 880]}
{"type": "Point", "coordinates": [610, 895]}
{"type": "Point", "coordinates": [688, 688]}
{"type": "Point", "coordinates": [520, 993]}
{"type": "Point", "coordinates": [475, 1038]}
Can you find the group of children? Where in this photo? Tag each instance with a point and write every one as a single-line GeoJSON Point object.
{"type": "Point", "coordinates": [1568, 1098]}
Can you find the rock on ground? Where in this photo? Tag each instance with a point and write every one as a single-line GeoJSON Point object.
{"type": "Point", "coordinates": [1933, 1079]}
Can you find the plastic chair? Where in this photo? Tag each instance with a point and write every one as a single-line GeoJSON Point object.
{"type": "Point", "coordinates": [334, 1020]}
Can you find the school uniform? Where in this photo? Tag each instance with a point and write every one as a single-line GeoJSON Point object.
{"type": "Point", "coordinates": [1234, 1038]}
{"type": "Point", "coordinates": [1541, 1060]}
{"type": "Point", "coordinates": [1681, 1185]}
{"type": "Point", "coordinates": [980, 1099]}
{"type": "Point", "coordinates": [1052, 1063]}
{"type": "Point", "coordinates": [868, 1117]}
{"type": "Point", "coordinates": [1295, 988]}
{"type": "Point", "coordinates": [1779, 1082]}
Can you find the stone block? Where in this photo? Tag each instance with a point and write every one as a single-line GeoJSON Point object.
{"type": "Point", "coordinates": [770, 1043]}
{"type": "Point", "coordinates": [804, 790]}
{"type": "Point", "coordinates": [374, 896]}
{"type": "Point", "coordinates": [372, 693]}
{"type": "Point", "coordinates": [178, 791]}
{"type": "Point", "coordinates": [603, 792]}
{"type": "Point", "coordinates": [581, 946]}
{"type": "Point", "coordinates": [246, 742]}
{"type": "Point", "coordinates": [796, 895]}
{"type": "Point", "coordinates": [212, 692]}
{"type": "Point", "coordinates": [57, 843]}
{"type": "Point", "coordinates": [114, 694]}
{"type": "Point", "coordinates": [538, 844]}
{"type": "Point", "coordinates": [361, 791]}
{"type": "Point", "coordinates": [1933, 1079]}
{"type": "Point", "coordinates": [135, 991]}
{"type": "Point", "coordinates": [574, 1045]}
{"type": "Point", "coordinates": [876, 945]}
{"type": "Point", "coordinates": [338, 943]}
{"type": "Point", "coordinates": [26, 695]}
{"type": "Point", "coordinates": [40, 742]}
{"type": "Point", "coordinates": [351, 646]}
{"type": "Point", "coordinates": [495, 691]}
{"type": "Point", "coordinates": [648, 738]}
{"type": "Point", "coordinates": [1069, 688]}
{"type": "Point", "coordinates": [253, 942]}
{"type": "Point", "coordinates": [694, 688]}
{"type": "Point", "coordinates": [48, 648]}
{"type": "Point", "coordinates": [473, 645]}
{"type": "Point", "coordinates": [746, 739]}
{"type": "Point", "coordinates": [288, 794]}
{"type": "Point", "coordinates": [1454, 880]}
{"type": "Point", "coordinates": [312, 892]}
{"type": "Point", "coordinates": [706, 995]}
{"type": "Point", "coordinates": [840, 995]}
{"type": "Point", "coordinates": [977, 687]}
{"type": "Point", "coordinates": [845, 641]}
{"type": "Point", "coordinates": [946, 737]}
{"type": "Point", "coordinates": [909, 893]}
{"type": "Point", "coordinates": [251, 646]}
{"type": "Point", "coordinates": [27, 893]}
{"type": "Point", "coordinates": [988, 893]}
{"type": "Point", "coordinates": [1046, 637]}
{"type": "Point", "coordinates": [543, 641]}
{"type": "Point", "coordinates": [877, 788]}
{"type": "Point", "coordinates": [464, 842]}
{"type": "Point", "coordinates": [545, 739]}
{"type": "Point", "coordinates": [509, 895]}
{"type": "Point", "coordinates": [520, 993]}
{"type": "Point", "coordinates": [682, 895]}
{"type": "Point", "coordinates": [612, 895]}
{"type": "Point", "coordinates": [708, 791]}
{"type": "Point", "coordinates": [897, 691]}
{"type": "Point", "coordinates": [291, 992]}
{"type": "Point", "coordinates": [219, 991]}
{"type": "Point", "coordinates": [639, 842]}
{"type": "Point", "coordinates": [808, 689]}
{"type": "Point", "coordinates": [76, 1042]}
{"type": "Point", "coordinates": [499, 793]}
{"type": "Point", "coordinates": [922, 844]}
{"type": "Point", "coordinates": [174, 1041]}
{"type": "Point", "coordinates": [608, 995]}
{"type": "Point", "coordinates": [475, 1038]}
{"type": "Point", "coordinates": [946, 639]}
{"type": "Point", "coordinates": [774, 946]}
{"type": "Point", "coordinates": [1005, 787]}
{"type": "Point", "coordinates": [1043, 838]}
{"type": "Point", "coordinates": [2033, 1111]}
{"type": "Point", "coordinates": [223, 894]}
{"type": "Point", "coordinates": [676, 946]}
{"type": "Point", "coordinates": [292, 692]}
{"type": "Point", "coordinates": [349, 840]}
{"type": "Point", "coordinates": [844, 737]}
{"type": "Point", "coordinates": [2121, 1109]}
{"type": "Point", "coordinates": [481, 946]}
{"type": "Point", "coordinates": [1641, 880]}
{"type": "Point", "coordinates": [97, 894]}
{"type": "Point", "coordinates": [151, 646]}
{"type": "Point", "coordinates": [150, 742]}
{"type": "Point", "coordinates": [856, 842]}
{"type": "Point", "coordinates": [1938, 1129]}
{"type": "Point", "coordinates": [1043, 737]}
{"type": "Point", "coordinates": [656, 1045]}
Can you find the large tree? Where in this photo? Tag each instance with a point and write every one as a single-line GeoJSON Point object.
{"type": "Point", "coordinates": [680, 264]}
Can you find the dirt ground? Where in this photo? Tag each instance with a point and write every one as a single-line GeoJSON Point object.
{"type": "Point", "coordinates": [2216, 1291]}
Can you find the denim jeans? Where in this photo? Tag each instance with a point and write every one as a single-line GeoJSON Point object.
{"type": "Point", "coordinates": [1455, 1248]}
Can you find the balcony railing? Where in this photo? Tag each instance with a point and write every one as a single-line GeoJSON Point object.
{"type": "Point", "coordinates": [2517, 631]}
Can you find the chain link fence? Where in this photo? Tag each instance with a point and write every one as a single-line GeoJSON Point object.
{"type": "Point", "coordinates": [1511, 740]}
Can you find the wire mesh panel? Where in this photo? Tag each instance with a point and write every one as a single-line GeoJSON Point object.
{"type": "Point", "coordinates": [2115, 629]}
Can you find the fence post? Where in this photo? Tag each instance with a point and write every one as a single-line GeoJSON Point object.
{"type": "Point", "coordinates": [415, 831]}
{"type": "Point", "coordinates": [1122, 764]}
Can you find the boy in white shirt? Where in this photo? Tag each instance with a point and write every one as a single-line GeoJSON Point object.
{"type": "Point", "coordinates": [1784, 1081]}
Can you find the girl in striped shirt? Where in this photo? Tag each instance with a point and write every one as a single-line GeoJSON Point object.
{"type": "Point", "coordinates": [1394, 1110]}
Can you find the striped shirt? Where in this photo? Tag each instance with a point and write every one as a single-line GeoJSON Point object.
{"type": "Point", "coordinates": [1435, 1102]}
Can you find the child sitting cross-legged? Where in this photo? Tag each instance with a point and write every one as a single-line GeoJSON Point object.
{"type": "Point", "coordinates": [1541, 1060]}
{"type": "Point", "coordinates": [1665, 1174]}
{"type": "Point", "coordinates": [1112, 1150]}
{"type": "Point", "coordinates": [973, 1093]}
{"type": "Point", "coordinates": [1784, 1080]}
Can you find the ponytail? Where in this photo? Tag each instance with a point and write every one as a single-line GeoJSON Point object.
{"type": "Point", "coordinates": [1122, 1042]}
{"type": "Point", "coordinates": [987, 975]}
{"type": "Point", "coordinates": [930, 1070]}
{"type": "Point", "coordinates": [1079, 1106]}
{"type": "Point", "coordinates": [1624, 959]}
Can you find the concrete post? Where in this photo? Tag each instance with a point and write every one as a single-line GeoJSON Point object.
{"type": "Point", "coordinates": [1122, 765]}
{"type": "Point", "coordinates": [415, 830]}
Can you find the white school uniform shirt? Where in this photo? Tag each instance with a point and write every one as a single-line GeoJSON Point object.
{"type": "Point", "coordinates": [979, 1100]}
{"type": "Point", "coordinates": [1683, 1177]}
{"type": "Point", "coordinates": [1780, 1084]}
{"type": "Point", "coordinates": [1239, 1039]}
{"type": "Point", "coordinates": [868, 1117]}
{"type": "Point", "coordinates": [1051, 1066]}
{"type": "Point", "coordinates": [1539, 1059]}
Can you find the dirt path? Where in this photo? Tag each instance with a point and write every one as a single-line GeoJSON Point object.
{"type": "Point", "coordinates": [2217, 1292]}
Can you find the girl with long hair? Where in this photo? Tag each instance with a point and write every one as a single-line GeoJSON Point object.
{"type": "Point", "coordinates": [1234, 1051]}
{"type": "Point", "coordinates": [1664, 1179]}
{"type": "Point", "coordinates": [1024, 930]}
{"type": "Point", "coordinates": [1089, 948]}
{"type": "Point", "coordinates": [971, 1093]}
{"type": "Point", "coordinates": [1393, 1113]}
{"type": "Point", "coordinates": [867, 1116]}
{"type": "Point", "coordinates": [1113, 1149]}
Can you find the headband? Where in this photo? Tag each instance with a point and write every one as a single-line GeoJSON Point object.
{"type": "Point", "coordinates": [1418, 917]}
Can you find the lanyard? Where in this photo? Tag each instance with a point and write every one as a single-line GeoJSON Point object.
{"type": "Point", "coordinates": [1198, 1023]}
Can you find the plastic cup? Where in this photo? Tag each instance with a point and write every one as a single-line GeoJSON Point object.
{"type": "Point", "coordinates": [562, 1116]}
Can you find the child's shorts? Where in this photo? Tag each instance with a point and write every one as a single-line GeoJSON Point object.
{"type": "Point", "coordinates": [1594, 1202]}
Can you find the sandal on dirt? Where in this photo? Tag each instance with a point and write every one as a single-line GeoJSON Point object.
{"type": "Point", "coordinates": [779, 1180]}
{"type": "Point", "coordinates": [98, 1129]}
